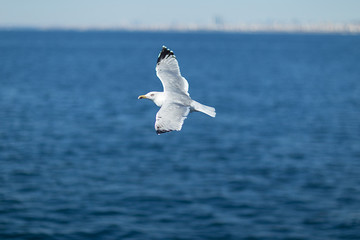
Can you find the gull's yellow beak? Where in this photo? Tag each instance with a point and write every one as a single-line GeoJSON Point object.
{"type": "Point", "coordinates": [142, 96]}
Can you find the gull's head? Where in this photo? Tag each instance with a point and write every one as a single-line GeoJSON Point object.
{"type": "Point", "coordinates": [150, 96]}
{"type": "Point", "coordinates": [156, 97]}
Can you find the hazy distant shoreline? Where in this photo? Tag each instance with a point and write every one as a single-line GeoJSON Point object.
{"type": "Point", "coordinates": [342, 28]}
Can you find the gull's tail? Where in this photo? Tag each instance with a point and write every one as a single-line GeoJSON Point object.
{"type": "Point", "coordinates": [198, 107]}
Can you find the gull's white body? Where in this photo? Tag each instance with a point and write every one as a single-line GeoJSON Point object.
{"type": "Point", "coordinates": [174, 102]}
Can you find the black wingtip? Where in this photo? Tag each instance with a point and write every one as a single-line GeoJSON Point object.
{"type": "Point", "coordinates": [158, 132]}
{"type": "Point", "coordinates": [165, 52]}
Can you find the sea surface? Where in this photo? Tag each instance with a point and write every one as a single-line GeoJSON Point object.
{"type": "Point", "coordinates": [80, 159]}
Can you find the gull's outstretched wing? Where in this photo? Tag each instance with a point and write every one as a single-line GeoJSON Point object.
{"type": "Point", "coordinates": [167, 69]}
{"type": "Point", "coordinates": [171, 117]}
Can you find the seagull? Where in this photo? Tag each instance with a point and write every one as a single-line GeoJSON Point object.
{"type": "Point", "coordinates": [174, 102]}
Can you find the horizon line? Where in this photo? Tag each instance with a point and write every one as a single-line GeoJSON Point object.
{"type": "Point", "coordinates": [349, 28]}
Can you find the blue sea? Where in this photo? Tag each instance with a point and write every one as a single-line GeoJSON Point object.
{"type": "Point", "coordinates": [80, 159]}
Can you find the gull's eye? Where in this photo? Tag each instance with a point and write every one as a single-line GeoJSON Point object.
{"type": "Point", "coordinates": [152, 94]}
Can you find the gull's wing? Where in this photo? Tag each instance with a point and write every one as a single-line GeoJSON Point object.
{"type": "Point", "coordinates": [167, 69]}
{"type": "Point", "coordinates": [171, 117]}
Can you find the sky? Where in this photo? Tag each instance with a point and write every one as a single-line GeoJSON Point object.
{"type": "Point", "coordinates": [113, 13]}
